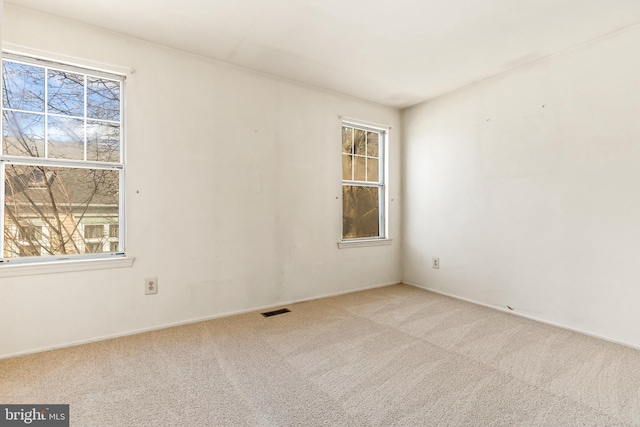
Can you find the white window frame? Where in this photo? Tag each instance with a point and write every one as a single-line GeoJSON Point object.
{"type": "Point", "coordinates": [382, 184]}
{"type": "Point", "coordinates": [15, 266]}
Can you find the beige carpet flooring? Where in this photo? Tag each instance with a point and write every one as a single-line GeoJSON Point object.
{"type": "Point", "coordinates": [394, 356]}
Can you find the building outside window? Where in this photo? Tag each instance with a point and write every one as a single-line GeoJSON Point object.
{"type": "Point", "coordinates": [363, 182]}
{"type": "Point", "coordinates": [100, 238]}
{"type": "Point", "coordinates": [61, 161]}
{"type": "Point", "coordinates": [29, 237]}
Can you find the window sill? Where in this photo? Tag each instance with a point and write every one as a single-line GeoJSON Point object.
{"type": "Point", "coordinates": [64, 266]}
{"type": "Point", "coordinates": [344, 244]}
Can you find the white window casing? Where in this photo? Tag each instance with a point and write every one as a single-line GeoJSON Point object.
{"type": "Point", "coordinates": [41, 146]}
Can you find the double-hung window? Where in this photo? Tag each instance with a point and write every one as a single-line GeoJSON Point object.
{"type": "Point", "coordinates": [61, 162]}
{"type": "Point", "coordinates": [363, 182]}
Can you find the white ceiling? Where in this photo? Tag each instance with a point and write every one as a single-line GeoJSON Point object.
{"type": "Point", "coordinates": [397, 53]}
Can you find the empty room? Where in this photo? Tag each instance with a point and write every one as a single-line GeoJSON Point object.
{"type": "Point", "coordinates": [320, 213]}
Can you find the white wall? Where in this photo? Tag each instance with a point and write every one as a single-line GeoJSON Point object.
{"type": "Point", "coordinates": [527, 188]}
{"type": "Point", "coordinates": [232, 186]}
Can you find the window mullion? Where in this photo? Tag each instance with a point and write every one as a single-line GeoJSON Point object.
{"type": "Point", "coordinates": [366, 156]}
{"type": "Point", "coordinates": [38, 161]}
{"type": "Point", "coordinates": [353, 152]}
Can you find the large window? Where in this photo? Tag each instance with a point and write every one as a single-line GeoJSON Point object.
{"type": "Point", "coordinates": [363, 186]}
{"type": "Point", "coordinates": [61, 161]}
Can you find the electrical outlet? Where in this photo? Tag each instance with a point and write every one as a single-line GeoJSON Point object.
{"type": "Point", "coordinates": [150, 285]}
{"type": "Point", "coordinates": [435, 262]}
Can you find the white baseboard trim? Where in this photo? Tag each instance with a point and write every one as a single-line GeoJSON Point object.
{"type": "Point", "coordinates": [189, 321]}
{"type": "Point", "coordinates": [526, 316]}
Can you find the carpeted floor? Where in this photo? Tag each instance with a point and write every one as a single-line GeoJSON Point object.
{"type": "Point", "coordinates": [390, 356]}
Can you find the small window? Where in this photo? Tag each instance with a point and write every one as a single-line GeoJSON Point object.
{"type": "Point", "coordinates": [93, 231]}
{"type": "Point", "coordinates": [29, 233]}
{"type": "Point", "coordinates": [363, 186]}
{"type": "Point", "coordinates": [99, 238]}
{"type": "Point", "coordinates": [28, 240]}
{"type": "Point", "coordinates": [61, 160]}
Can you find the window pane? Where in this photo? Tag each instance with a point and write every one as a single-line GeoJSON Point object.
{"type": "Point", "coordinates": [23, 86]}
{"type": "Point", "coordinates": [60, 199]}
{"type": "Point", "coordinates": [66, 138]}
{"type": "Point", "coordinates": [66, 93]}
{"type": "Point", "coordinates": [372, 170]}
{"type": "Point", "coordinates": [360, 142]}
{"type": "Point", "coordinates": [360, 212]}
{"type": "Point", "coordinates": [113, 246]}
{"type": "Point", "coordinates": [347, 162]}
{"type": "Point", "coordinates": [372, 144]}
{"type": "Point", "coordinates": [103, 141]}
{"type": "Point", "coordinates": [22, 134]}
{"type": "Point", "coordinates": [359, 169]}
{"type": "Point", "coordinates": [347, 140]}
{"type": "Point", "coordinates": [114, 231]}
{"type": "Point", "coordinates": [103, 99]}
